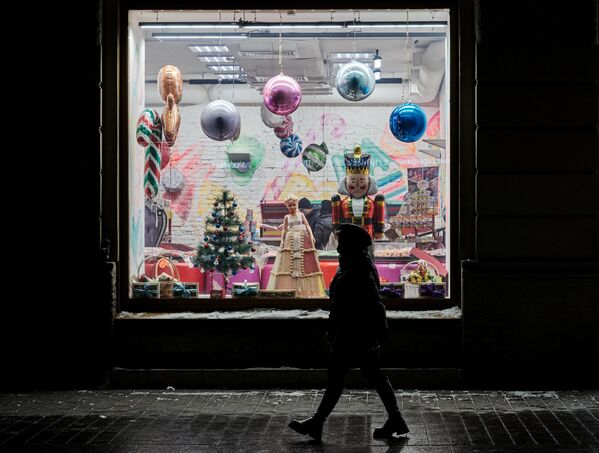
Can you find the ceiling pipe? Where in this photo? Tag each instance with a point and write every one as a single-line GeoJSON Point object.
{"type": "Point", "coordinates": [430, 74]}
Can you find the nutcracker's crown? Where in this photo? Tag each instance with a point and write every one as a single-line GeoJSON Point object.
{"type": "Point", "coordinates": [357, 163]}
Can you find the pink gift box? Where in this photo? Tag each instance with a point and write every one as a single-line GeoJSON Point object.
{"type": "Point", "coordinates": [251, 275]}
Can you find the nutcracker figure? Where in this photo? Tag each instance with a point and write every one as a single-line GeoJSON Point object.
{"type": "Point", "coordinates": [358, 207]}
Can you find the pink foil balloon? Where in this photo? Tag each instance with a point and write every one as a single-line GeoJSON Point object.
{"type": "Point", "coordinates": [282, 95]}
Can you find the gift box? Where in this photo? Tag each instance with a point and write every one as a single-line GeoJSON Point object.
{"type": "Point", "coordinates": [393, 290]}
{"type": "Point", "coordinates": [245, 289]}
{"type": "Point", "coordinates": [276, 293]}
{"type": "Point", "coordinates": [145, 290]}
{"type": "Point", "coordinates": [185, 290]}
{"type": "Point", "coordinates": [430, 289]}
{"type": "Point", "coordinates": [216, 294]}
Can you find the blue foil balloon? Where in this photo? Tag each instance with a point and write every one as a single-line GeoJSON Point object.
{"type": "Point", "coordinates": [355, 81]}
{"type": "Point", "coordinates": [408, 122]}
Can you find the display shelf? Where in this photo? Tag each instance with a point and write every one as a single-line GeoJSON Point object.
{"type": "Point", "coordinates": [205, 304]}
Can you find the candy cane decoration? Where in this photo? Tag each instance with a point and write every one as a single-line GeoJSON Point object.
{"type": "Point", "coordinates": [149, 135]}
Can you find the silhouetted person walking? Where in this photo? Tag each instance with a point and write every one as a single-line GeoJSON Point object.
{"type": "Point", "coordinates": [357, 327]}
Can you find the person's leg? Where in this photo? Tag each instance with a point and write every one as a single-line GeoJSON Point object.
{"type": "Point", "coordinates": [338, 368]}
{"type": "Point", "coordinates": [371, 369]}
{"type": "Point", "coordinates": [336, 376]}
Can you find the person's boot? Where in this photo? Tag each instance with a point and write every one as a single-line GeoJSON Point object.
{"type": "Point", "coordinates": [311, 427]}
{"type": "Point", "coordinates": [394, 424]}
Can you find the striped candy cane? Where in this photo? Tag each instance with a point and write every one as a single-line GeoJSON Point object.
{"type": "Point", "coordinates": [149, 135]}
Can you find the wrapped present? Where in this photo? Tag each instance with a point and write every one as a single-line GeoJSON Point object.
{"type": "Point", "coordinates": [393, 290]}
{"type": "Point", "coordinates": [430, 289]}
{"type": "Point", "coordinates": [216, 294]}
{"type": "Point", "coordinates": [145, 290]}
{"type": "Point", "coordinates": [276, 293]}
{"type": "Point", "coordinates": [185, 290]}
{"type": "Point", "coordinates": [245, 289]}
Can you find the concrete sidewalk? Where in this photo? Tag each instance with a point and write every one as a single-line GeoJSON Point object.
{"type": "Point", "coordinates": [256, 421]}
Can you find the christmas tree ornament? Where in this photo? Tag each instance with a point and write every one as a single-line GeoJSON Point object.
{"type": "Point", "coordinates": [286, 129]}
{"type": "Point", "coordinates": [149, 135]}
{"type": "Point", "coordinates": [291, 146]}
{"type": "Point", "coordinates": [173, 181]}
{"type": "Point", "coordinates": [217, 225]}
{"type": "Point", "coordinates": [241, 228]}
{"type": "Point", "coordinates": [408, 122]}
{"type": "Point", "coordinates": [355, 81]}
{"type": "Point", "coordinates": [270, 119]}
{"type": "Point", "coordinates": [282, 95]}
{"type": "Point", "coordinates": [220, 120]}
{"type": "Point", "coordinates": [314, 156]}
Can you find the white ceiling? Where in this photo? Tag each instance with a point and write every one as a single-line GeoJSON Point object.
{"type": "Point", "coordinates": [310, 57]}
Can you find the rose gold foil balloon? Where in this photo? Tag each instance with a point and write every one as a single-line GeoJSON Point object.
{"type": "Point", "coordinates": [282, 95]}
{"type": "Point", "coordinates": [170, 82]}
{"type": "Point", "coordinates": [171, 120]}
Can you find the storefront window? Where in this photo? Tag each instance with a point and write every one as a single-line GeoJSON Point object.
{"type": "Point", "coordinates": [253, 135]}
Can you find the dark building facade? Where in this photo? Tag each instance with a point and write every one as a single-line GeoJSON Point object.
{"type": "Point", "coordinates": [528, 192]}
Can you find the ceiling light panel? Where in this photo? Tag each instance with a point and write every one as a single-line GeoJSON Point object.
{"type": "Point", "coordinates": [216, 58]}
{"type": "Point", "coordinates": [351, 55]}
{"type": "Point", "coordinates": [224, 68]}
{"type": "Point", "coordinates": [212, 48]}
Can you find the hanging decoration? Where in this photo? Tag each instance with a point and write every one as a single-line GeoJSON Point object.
{"type": "Point", "coordinates": [291, 146]}
{"type": "Point", "coordinates": [286, 129]}
{"type": "Point", "coordinates": [314, 156]}
{"type": "Point", "coordinates": [355, 81]}
{"type": "Point", "coordinates": [270, 119]}
{"type": "Point", "coordinates": [173, 181]}
{"type": "Point", "coordinates": [282, 95]}
{"type": "Point", "coordinates": [236, 135]}
{"type": "Point", "coordinates": [149, 135]}
{"type": "Point", "coordinates": [220, 120]}
{"type": "Point", "coordinates": [408, 122]}
{"type": "Point", "coordinates": [170, 88]}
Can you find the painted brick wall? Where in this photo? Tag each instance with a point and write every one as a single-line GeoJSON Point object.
{"type": "Point", "coordinates": [207, 170]}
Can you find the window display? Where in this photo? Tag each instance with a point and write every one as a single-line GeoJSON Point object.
{"type": "Point", "coordinates": [236, 118]}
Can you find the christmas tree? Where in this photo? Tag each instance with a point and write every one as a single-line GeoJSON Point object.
{"type": "Point", "coordinates": [225, 248]}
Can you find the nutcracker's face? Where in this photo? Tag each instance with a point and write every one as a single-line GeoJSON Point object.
{"type": "Point", "coordinates": [357, 185]}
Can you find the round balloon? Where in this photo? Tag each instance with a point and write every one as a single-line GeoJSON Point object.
{"type": "Point", "coordinates": [173, 180]}
{"type": "Point", "coordinates": [270, 119]}
{"type": "Point", "coordinates": [407, 122]}
{"type": "Point", "coordinates": [314, 156]}
{"type": "Point", "coordinates": [282, 95]}
{"type": "Point", "coordinates": [355, 81]}
{"type": "Point", "coordinates": [220, 120]}
{"type": "Point", "coordinates": [286, 129]}
{"type": "Point", "coordinates": [291, 146]}
{"type": "Point", "coordinates": [237, 133]}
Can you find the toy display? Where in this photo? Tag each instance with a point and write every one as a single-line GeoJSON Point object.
{"type": "Point", "coordinates": [220, 120]}
{"type": "Point", "coordinates": [358, 207]}
{"type": "Point", "coordinates": [407, 122]}
{"type": "Point", "coordinates": [355, 81]}
{"type": "Point", "coordinates": [296, 264]}
{"type": "Point", "coordinates": [282, 95]}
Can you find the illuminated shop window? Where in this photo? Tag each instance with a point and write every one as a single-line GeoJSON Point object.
{"type": "Point", "coordinates": [211, 165]}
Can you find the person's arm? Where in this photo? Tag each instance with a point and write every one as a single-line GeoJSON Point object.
{"type": "Point", "coordinates": [284, 233]}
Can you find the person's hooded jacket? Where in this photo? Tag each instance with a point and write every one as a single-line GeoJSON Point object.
{"type": "Point", "coordinates": [357, 318]}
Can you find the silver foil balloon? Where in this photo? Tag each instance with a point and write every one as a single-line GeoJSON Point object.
{"type": "Point", "coordinates": [355, 81]}
{"type": "Point", "coordinates": [220, 120]}
{"type": "Point", "coordinates": [270, 119]}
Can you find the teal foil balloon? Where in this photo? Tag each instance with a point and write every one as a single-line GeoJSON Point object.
{"type": "Point", "coordinates": [355, 81]}
{"type": "Point", "coordinates": [408, 122]}
{"type": "Point", "coordinates": [314, 156]}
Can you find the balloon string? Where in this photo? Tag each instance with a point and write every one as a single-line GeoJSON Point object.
{"type": "Point", "coordinates": [281, 42]}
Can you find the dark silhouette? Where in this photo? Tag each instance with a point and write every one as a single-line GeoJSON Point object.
{"type": "Point", "coordinates": [308, 209]}
{"type": "Point", "coordinates": [324, 225]}
{"type": "Point", "coordinates": [357, 328]}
